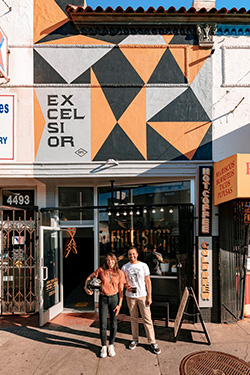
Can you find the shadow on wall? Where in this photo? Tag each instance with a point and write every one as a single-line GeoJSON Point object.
{"type": "Point", "coordinates": [237, 141]}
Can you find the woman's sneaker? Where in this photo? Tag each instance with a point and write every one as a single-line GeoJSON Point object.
{"type": "Point", "coordinates": [103, 353]}
{"type": "Point", "coordinates": [111, 350]}
{"type": "Point", "coordinates": [133, 345]}
{"type": "Point", "coordinates": [155, 348]}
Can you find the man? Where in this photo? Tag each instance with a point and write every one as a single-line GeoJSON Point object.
{"type": "Point", "coordinates": [138, 295]}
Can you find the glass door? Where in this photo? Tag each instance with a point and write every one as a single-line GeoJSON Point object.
{"type": "Point", "coordinates": [51, 289]}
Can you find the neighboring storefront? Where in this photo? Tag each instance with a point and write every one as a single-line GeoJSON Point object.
{"type": "Point", "coordinates": [231, 193]}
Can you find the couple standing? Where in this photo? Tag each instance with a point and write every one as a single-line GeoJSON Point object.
{"type": "Point", "coordinates": [135, 276]}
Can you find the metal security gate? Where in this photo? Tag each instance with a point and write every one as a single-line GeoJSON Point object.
{"type": "Point", "coordinates": [18, 260]}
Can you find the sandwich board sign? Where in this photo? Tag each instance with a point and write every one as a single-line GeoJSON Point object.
{"type": "Point", "coordinates": [188, 294]}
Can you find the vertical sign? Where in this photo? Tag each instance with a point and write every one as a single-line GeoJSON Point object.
{"type": "Point", "coordinates": [3, 55]}
{"type": "Point", "coordinates": [205, 272]}
{"type": "Point", "coordinates": [205, 201]}
{"type": "Point", "coordinates": [7, 126]}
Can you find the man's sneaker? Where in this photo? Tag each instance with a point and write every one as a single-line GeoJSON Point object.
{"type": "Point", "coordinates": [103, 353]}
{"type": "Point", "coordinates": [155, 348]}
{"type": "Point", "coordinates": [133, 345]}
{"type": "Point", "coordinates": [111, 350]}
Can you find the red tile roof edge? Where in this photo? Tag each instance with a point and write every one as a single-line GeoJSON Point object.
{"type": "Point", "coordinates": [172, 10]}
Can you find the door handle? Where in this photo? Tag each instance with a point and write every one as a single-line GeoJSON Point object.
{"type": "Point", "coordinates": [46, 273]}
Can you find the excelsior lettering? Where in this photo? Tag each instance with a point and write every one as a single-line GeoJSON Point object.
{"type": "Point", "coordinates": [61, 108]}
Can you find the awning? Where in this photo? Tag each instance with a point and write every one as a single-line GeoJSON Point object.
{"type": "Point", "coordinates": [232, 178]}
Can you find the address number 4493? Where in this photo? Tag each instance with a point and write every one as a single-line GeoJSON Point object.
{"type": "Point", "coordinates": [18, 200]}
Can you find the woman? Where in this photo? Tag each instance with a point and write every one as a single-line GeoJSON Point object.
{"type": "Point", "coordinates": [110, 300]}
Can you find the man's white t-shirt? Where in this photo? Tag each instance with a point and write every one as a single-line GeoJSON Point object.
{"type": "Point", "coordinates": [135, 276]}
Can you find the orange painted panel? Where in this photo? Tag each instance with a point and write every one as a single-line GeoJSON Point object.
{"type": "Point", "coordinates": [184, 136]}
{"type": "Point", "coordinates": [78, 40]}
{"type": "Point", "coordinates": [225, 180]}
{"type": "Point", "coordinates": [39, 123]}
{"type": "Point", "coordinates": [48, 16]}
{"type": "Point", "coordinates": [133, 122]}
{"type": "Point", "coordinates": [167, 38]}
{"type": "Point", "coordinates": [102, 117]}
{"type": "Point", "coordinates": [197, 57]}
{"type": "Point", "coordinates": [144, 60]}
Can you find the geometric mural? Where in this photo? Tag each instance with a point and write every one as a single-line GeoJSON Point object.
{"type": "Point", "coordinates": [143, 92]}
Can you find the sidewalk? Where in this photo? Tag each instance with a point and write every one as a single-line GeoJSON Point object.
{"type": "Point", "coordinates": [70, 344]}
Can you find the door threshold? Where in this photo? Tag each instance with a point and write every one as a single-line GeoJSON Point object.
{"type": "Point", "coordinates": [69, 311]}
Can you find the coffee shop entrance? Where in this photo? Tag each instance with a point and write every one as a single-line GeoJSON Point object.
{"type": "Point", "coordinates": [163, 236]}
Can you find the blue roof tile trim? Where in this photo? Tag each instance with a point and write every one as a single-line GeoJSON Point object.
{"type": "Point", "coordinates": [237, 30]}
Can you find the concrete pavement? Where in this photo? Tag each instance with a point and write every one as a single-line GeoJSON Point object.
{"type": "Point", "coordinates": [70, 344]}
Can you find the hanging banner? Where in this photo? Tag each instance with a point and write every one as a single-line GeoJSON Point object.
{"type": "Point", "coordinates": [7, 128]}
{"type": "Point", "coordinates": [205, 201]}
{"type": "Point", "coordinates": [3, 55]}
{"type": "Point", "coordinates": [205, 272]}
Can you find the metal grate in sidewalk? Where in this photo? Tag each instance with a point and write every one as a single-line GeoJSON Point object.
{"type": "Point", "coordinates": [213, 363]}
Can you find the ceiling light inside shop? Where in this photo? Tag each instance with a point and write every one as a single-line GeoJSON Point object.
{"type": "Point", "coordinates": [153, 211]}
{"type": "Point", "coordinates": [131, 213]}
{"type": "Point", "coordinates": [137, 212]}
{"type": "Point", "coordinates": [162, 209]}
{"type": "Point", "coordinates": [171, 210]}
{"type": "Point", "coordinates": [125, 213]}
{"type": "Point", "coordinates": [109, 213]}
{"type": "Point", "coordinates": [118, 213]}
{"type": "Point", "coordinates": [145, 210]}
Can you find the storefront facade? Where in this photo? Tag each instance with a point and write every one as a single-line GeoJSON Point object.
{"type": "Point", "coordinates": [113, 137]}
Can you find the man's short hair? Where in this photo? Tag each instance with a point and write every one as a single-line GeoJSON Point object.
{"type": "Point", "coordinates": [133, 248]}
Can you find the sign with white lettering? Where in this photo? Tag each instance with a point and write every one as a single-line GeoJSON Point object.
{"type": "Point", "coordinates": [7, 126]}
{"type": "Point", "coordinates": [205, 272]}
{"type": "Point", "coordinates": [62, 124]}
{"type": "Point", "coordinates": [205, 201]}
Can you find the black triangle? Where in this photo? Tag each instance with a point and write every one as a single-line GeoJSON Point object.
{"type": "Point", "coordinates": [44, 72]}
{"type": "Point", "coordinates": [64, 31]}
{"type": "Point", "coordinates": [119, 98]}
{"type": "Point", "coordinates": [167, 70]}
{"type": "Point", "coordinates": [186, 107]}
{"type": "Point", "coordinates": [118, 146]}
{"type": "Point", "coordinates": [160, 149]}
{"type": "Point", "coordinates": [83, 78]}
{"type": "Point", "coordinates": [62, 3]}
{"type": "Point", "coordinates": [114, 69]}
{"type": "Point", "coordinates": [204, 151]}
{"type": "Point", "coordinates": [184, 39]}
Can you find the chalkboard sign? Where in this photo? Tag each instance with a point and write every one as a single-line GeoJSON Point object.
{"type": "Point", "coordinates": [180, 312]}
{"type": "Point", "coordinates": [187, 294]}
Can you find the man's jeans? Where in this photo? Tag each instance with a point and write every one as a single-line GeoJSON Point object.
{"type": "Point", "coordinates": [133, 305]}
{"type": "Point", "coordinates": [107, 305]}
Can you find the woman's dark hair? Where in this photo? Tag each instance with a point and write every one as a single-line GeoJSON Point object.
{"type": "Point", "coordinates": [105, 265]}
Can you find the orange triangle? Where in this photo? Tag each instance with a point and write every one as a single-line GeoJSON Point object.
{"type": "Point", "coordinates": [39, 123]}
{"type": "Point", "coordinates": [102, 117]}
{"type": "Point", "coordinates": [143, 60]}
{"type": "Point", "coordinates": [184, 136]}
{"type": "Point", "coordinates": [167, 38]}
{"type": "Point", "coordinates": [133, 122]}
{"type": "Point", "coordinates": [77, 39]}
{"type": "Point", "coordinates": [197, 58]}
{"type": "Point", "coordinates": [180, 55]}
{"type": "Point", "coordinates": [48, 16]}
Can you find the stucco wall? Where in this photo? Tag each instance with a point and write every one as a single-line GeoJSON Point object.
{"type": "Point", "coordinates": [231, 96]}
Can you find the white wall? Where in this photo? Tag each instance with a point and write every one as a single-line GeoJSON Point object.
{"type": "Point", "coordinates": [18, 27]}
{"type": "Point", "coordinates": [231, 96]}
